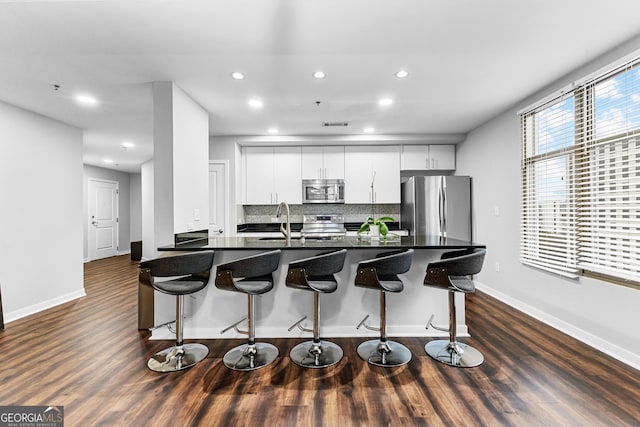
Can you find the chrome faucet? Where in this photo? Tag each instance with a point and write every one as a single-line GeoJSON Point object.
{"type": "Point", "coordinates": [283, 207]}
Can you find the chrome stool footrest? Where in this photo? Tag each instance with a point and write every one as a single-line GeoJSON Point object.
{"type": "Point", "coordinates": [235, 326]}
{"type": "Point", "coordinates": [362, 323]}
{"type": "Point", "coordinates": [431, 325]}
{"type": "Point", "coordinates": [298, 324]}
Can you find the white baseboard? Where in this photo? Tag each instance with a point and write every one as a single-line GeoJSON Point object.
{"type": "Point", "coordinates": [588, 338]}
{"type": "Point", "coordinates": [36, 308]}
{"type": "Point", "coordinates": [125, 252]}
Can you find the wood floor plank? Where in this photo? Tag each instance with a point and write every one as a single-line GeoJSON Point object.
{"type": "Point", "coordinates": [89, 356]}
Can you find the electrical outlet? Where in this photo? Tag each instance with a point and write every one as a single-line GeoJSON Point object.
{"type": "Point", "coordinates": [496, 210]}
{"type": "Point", "coordinates": [497, 266]}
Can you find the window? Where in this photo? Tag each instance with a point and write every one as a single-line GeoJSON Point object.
{"type": "Point", "coordinates": [581, 179]}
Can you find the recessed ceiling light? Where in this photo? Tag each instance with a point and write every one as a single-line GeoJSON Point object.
{"type": "Point", "coordinates": [272, 130]}
{"type": "Point", "coordinates": [255, 103]}
{"type": "Point", "coordinates": [385, 101]}
{"type": "Point", "coordinates": [237, 75]}
{"type": "Point", "coordinates": [108, 160]}
{"type": "Point", "coordinates": [86, 99]}
{"type": "Point", "coordinates": [126, 145]}
{"type": "Point", "coordinates": [369, 130]}
{"type": "Point", "coordinates": [401, 74]}
{"type": "Point", "coordinates": [319, 75]}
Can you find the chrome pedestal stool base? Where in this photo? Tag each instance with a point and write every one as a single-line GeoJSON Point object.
{"type": "Point", "coordinates": [316, 355]}
{"type": "Point", "coordinates": [384, 353]}
{"type": "Point", "coordinates": [176, 359]}
{"type": "Point", "coordinates": [454, 354]}
{"type": "Point", "coordinates": [248, 357]}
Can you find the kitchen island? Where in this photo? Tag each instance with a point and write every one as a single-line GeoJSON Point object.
{"type": "Point", "coordinates": [211, 310]}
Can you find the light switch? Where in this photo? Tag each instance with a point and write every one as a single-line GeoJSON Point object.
{"type": "Point", "coordinates": [196, 214]}
{"type": "Point", "coordinates": [496, 210]}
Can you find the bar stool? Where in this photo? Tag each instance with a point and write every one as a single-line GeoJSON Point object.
{"type": "Point", "coordinates": [252, 276]}
{"type": "Point", "coordinates": [316, 274]}
{"type": "Point", "coordinates": [380, 274]}
{"type": "Point", "coordinates": [450, 273]}
{"type": "Point", "coordinates": [194, 269]}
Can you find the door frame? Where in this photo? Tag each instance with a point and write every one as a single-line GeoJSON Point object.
{"type": "Point", "coordinates": [226, 193]}
{"type": "Point", "coordinates": [88, 218]}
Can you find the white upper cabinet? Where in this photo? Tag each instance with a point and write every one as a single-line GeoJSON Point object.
{"type": "Point", "coordinates": [287, 175]}
{"type": "Point", "coordinates": [323, 162]}
{"type": "Point", "coordinates": [362, 164]}
{"type": "Point", "coordinates": [428, 157]}
{"type": "Point", "coordinates": [272, 175]}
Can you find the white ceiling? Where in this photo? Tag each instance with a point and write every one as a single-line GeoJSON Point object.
{"type": "Point", "coordinates": [468, 61]}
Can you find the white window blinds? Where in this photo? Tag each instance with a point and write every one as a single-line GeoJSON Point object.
{"type": "Point", "coordinates": [581, 179]}
{"type": "Point", "coordinates": [548, 204]}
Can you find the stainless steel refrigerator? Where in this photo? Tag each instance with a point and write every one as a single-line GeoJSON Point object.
{"type": "Point", "coordinates": [437, 206]}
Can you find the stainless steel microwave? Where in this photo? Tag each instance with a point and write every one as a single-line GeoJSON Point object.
{"type": "Point", "coordinates": [323, 191]}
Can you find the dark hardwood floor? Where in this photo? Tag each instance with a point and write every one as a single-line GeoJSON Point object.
{"type": "Point", "coordinates": [88, 356]}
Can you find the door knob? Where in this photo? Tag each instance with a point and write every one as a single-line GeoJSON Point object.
{"type": "Point", "coordinates": [220, 231]}
{"type": "Point", "coordinates": [94, 223]}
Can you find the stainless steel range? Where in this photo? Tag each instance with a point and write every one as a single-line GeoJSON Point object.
{"type": "Point", "coordinates": [323, 226]}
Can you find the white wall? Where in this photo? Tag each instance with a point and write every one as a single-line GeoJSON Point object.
{"type": "Point", "coordinates": [41, 214]}
{"type": "Point", "coordinates": [135, 206]}
{"type": "Point", "coordinates": [600, 313]}
{"type": "Point", "coordinates": [190, 164]}
{"type": "Point", "coordinates": [178, 184]}
{"type": "Point", "coordinates": [147, 213]}
{"type": "Point", "coordinates": [162, 168]}
{"type": "Point", "coordinates": [124, 209]}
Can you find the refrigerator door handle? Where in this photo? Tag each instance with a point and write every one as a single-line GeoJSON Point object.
{"type": "Point", "coordinates": [442, 209]}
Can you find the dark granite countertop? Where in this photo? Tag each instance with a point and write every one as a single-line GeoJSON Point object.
{"type": "Point", "coordinates": [297, 226]}
{"type": "Point", "coordinates": [347, 242]}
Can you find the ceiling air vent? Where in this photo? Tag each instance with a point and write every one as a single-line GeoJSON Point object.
{"type": "Point", "coordinates": [335, 124]}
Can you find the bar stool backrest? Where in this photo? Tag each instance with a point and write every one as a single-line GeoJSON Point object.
{"type": "Point", "coordinates": [461, 265]}
{"type": "Point", "coordinates": [441, 272]}
{"type": "Point", "coordinates": [394, 262]}
{"type": "Point", "coordinates": [322, 264]}
{"type": "Point", "coordinates": [193, 263]}
{"type": "Point", "coordinates": [259, 265]}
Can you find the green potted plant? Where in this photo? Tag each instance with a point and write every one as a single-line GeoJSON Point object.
{"type": "Point", "coordinates": [372, 226]}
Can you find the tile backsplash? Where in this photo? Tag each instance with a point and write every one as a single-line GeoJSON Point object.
{"type": "Point", "coordinates": [352, 213]}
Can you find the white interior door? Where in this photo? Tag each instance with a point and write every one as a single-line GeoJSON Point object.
{"type": "Point", "coordinates": [218, 197]}
{"type": "Point", "coordinates": [103, 219]}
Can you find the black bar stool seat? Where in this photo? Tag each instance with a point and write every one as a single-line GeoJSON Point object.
{"type": "Point", "coordinates": [450, 273]}
{"type": "Point", "coordinates": [193, 270]}
{"type": "Point", "coordinates": [253, 276]}
{"type": "Point", "coordinates": [381, 274]}
{"type": "Point", "coordinates": [316, 274]}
